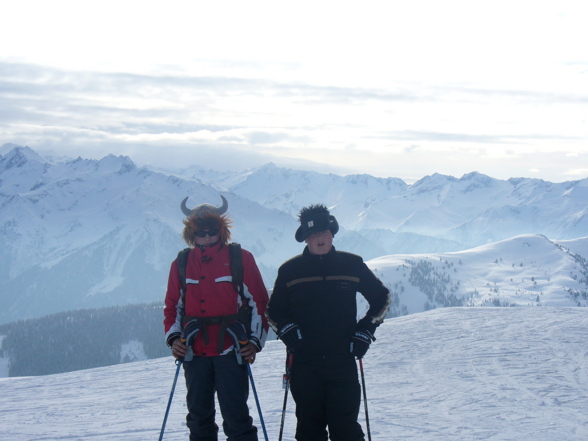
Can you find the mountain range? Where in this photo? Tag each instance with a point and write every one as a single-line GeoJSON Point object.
{"type": "Point", "coordinates": [81, 233]}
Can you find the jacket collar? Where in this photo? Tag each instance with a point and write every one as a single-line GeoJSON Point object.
{"type": "Point", "coordinates": [306, 253]}
{"type": "Point", "coordinates": [209, 251]}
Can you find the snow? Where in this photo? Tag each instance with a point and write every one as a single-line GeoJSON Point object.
{"type": "Point", "coordinates": [526, 270]}
{"type": "Point", "coordinates": [133, 350]}
{"type": "Point", "coordinates": [448, 374]}
{"type": "Point", "coordinates": [453, 373]}
{"type": "Point", "coordinates": [105, 230]}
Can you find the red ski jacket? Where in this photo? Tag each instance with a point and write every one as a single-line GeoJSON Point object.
{"type": "Point", "coordinates": [210, 293]}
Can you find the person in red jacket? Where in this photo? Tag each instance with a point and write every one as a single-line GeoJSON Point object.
{"type": "Point", "coordinates": [196, 323]}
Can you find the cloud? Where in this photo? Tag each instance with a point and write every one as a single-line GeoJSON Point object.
{"type": "Point", "coordinates": [576, 173]}
{"type": "Point", "coordinates": [407, 130]}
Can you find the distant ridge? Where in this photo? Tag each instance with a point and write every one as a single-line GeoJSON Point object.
{"type": "Point", "coordinates": [79, 233]}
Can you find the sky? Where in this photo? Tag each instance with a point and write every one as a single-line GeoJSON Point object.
{"type": "Point", "coordinates": [389, 88]}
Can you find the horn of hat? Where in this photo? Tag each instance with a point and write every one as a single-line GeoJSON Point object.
{"type": "Point", "coordinates": [204, 208]}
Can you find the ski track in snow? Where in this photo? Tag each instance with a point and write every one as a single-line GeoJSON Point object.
{"type": "Point", "coordinates": [449, 374]}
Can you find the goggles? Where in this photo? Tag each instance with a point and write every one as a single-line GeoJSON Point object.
{"type": "Point", "coordinates": [210, 233]}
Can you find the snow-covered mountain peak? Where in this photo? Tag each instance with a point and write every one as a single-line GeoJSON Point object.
{"type": "Point", "coordinates": [18, 157]}
{"type": "Point", "coordinates": [474, 176]}
{"type": "Point", "coordinates": [268, 167]}
{"type": "Point", "coordinates": [122, 224]}
{"type": "Point", "coordinates": [434, 181]}
{"type": "Point", "coordinates": [118, 164]}
{"type": "Point", "coordinates": [5, 148]}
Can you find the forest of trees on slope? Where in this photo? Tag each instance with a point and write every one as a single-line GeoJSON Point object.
{"type": "Point", "coordinates": [83, 339]}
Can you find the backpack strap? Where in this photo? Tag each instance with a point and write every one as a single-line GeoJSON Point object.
{"type": "Point", "coordinates": [182, 263]}
{"type": "Point", "coordinates": [236, 261]}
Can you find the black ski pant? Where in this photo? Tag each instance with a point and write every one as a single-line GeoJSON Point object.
{"type": "Point", "coordinates": [223, 375]}
{"type": "Point", "coordinates": [327, 395]}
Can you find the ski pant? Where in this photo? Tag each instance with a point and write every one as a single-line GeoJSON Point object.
{"type": "Point", "coordinates": [223, 375]}
{"type": "Point", "coordinates": [326, 395]}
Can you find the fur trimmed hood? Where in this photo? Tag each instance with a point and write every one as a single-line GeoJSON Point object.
{"type": "Point", "coordinates": [207, 221]}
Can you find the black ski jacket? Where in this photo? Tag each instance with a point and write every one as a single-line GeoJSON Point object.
{"type": "Point", "coordinates": [318, 293]}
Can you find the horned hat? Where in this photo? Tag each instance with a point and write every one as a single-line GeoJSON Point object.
{"type": "Point", "coordinates": [206, 217]}
{"type": "Point", "coordinates": [202, 209]}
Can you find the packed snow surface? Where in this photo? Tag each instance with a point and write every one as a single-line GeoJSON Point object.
{"type": "Point", "coordinates": [516, 373]}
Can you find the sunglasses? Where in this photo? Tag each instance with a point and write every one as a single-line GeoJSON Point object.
{"type": "Point", "coordinates": [206, 233]}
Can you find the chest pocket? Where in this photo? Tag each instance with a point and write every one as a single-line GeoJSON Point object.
{"type": "Point", "coordinates": [344, 284]}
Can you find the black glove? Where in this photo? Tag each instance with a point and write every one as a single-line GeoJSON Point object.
{"type": "Point", "coordinates": [188, 335]}
{"type": "Point", "coordinates": [360, 342]}
{"type": "Point", "coordinates": [238, 334]}
{"type": "Point", "coordinates": [291, 336]}
{"type": "Point", "coordinates": [190, 331]}
{"type": "Point", "coordinates": [253, 339]}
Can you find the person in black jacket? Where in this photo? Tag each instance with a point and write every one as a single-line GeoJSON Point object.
{"type": "Point", "coordinates": [313, 311]}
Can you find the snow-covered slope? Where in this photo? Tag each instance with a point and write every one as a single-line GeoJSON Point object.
{"type": "Point", "coordinates": [524, 270]}
{"type": "Point", "coordinates": [469, 374]}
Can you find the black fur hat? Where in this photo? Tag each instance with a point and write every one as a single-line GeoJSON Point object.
{"type": "Point", "coordinates": [313, 219]}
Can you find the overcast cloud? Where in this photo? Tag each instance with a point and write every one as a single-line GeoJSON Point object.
{"type": "Point", "coordinates": [379, 88]}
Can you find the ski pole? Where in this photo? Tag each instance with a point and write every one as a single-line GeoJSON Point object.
{"type": "Point", "coordinates": [240, 341]}
{"type": "Point", "coordinates": [257, 401]}
{"type": "Point", "coordinates": [179, 363]}
{"type": "Point", "coordinates": [367, 418]}
{"type": "Point", "coordinates": [286, 383]}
